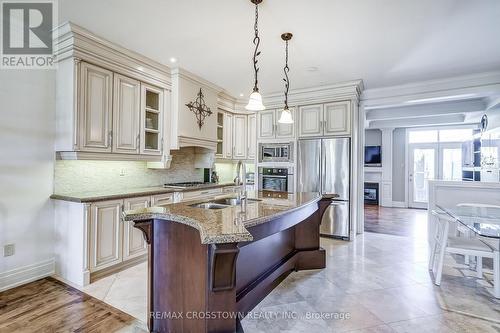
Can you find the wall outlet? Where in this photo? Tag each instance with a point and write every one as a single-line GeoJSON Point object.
{"type": "Point", "coordinates": [8, 250]}
{"type": "Point", "coordinates": [122, 172]}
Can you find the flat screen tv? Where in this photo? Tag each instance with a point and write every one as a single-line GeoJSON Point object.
{"type": "Point", "coordinates": [373, 155]}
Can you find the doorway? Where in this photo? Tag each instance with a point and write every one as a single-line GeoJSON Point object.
{"type": "Point", "coordinates": [433, 154]}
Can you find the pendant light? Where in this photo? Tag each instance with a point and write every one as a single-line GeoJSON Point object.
{"type": "Point", "coordinates": [286, 115]}
{"type": "Point", "coordinates": [255, 100]}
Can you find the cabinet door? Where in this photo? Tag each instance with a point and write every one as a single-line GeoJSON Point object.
{"type": "Point", "coordinates": [228, 135]}
{"type": "Point", "coordinates": [266, 124]}
{"type": "Point", "coordinates": [285, 130]}
{"type": "Point", "coordinates": [96, 101]}
{"type": "Point", "coordinates": [252, 136]}
{"type": "Point", "coordinates": [134, 244]}
{"type": "Point", "coordinates": [152, 104]}
{"type": "Point", "coordinates": [311, 120]}
{"type": "Point", "coordinates": [240, 136]}
{"type": "Point", "coordinates": [162, 199]}
{"type": "Point", "coordinates": [126, 115]}
{"type": "Point", "coordinates": [337, 118]}
{"type": "Point", "coordinates": [105, 234]}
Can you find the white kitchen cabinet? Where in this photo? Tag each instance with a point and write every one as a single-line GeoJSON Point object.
{"type": "Point", "coordinates": [99, 113]}
{"type": "Point", "coordinates": [332, 119]}
{"type": "Point", "coordinates": [228, 136]}
{"type": "Point", "coordinates": [126, 115]}
{"type": "Point", "coordinates": [105, 234]}
{"type": "Point", "coordinates": [337, 118]}
{"type": "Point", "coordinates": [311, 120]}
{"type": "Point", "coordinates": [240, 136]}
{"type": "Point", "coordinates": [151, 120]}
{"type": "Point", "coordinates": [96, 101]}
{"type": "Point", "coordinates": [266, 124]}
{"type": "Point", "coordinates": [134, 244]}
{"type": "Point", "coordinates": [200, 194]}
{"type": "Point", "coordinates": [252, 136]}
{"type": "Point", "coordinates": [162, 199]}
{"type": "Point", "coordinates": [270, 128]}
{"type": "Point", "coordinates": [285, 130]}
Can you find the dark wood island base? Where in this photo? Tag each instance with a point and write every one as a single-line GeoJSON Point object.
{"type": "Point", "coordinates": [196, 287]}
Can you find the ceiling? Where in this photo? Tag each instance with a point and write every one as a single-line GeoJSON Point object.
{"type": "Point", "coordinates": [384, 42]}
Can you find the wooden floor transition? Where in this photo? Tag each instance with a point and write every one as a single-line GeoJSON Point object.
{"type": "Point", "coordinates": [48, 305]}
{"type": "Point", "coordinates": [395, 221]}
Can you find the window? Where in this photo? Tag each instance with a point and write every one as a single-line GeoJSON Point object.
{"type": "Point", "coordinates": [423, 136]}
{"type": "Point", "coordinates": [455, 135]}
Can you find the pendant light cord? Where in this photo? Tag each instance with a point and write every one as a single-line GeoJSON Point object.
{"type": "Point", "coordinates": [286, 69]}
{"type": "Point", "coordinates": [256, 41]}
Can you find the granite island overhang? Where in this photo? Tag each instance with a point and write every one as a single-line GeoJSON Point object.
{"type": "Point", "coordinates": [209, 267]}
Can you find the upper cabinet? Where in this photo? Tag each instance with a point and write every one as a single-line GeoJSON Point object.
{"type": "Point", "coordinates": [240, 136]}
{"type": "Point", "coordinates": [252, 136]}
{"type": "Point", "coordinates": [95, 103]}
{"type": "Point", "coordinates": [111, 103]}
{"type": "Point", "coordinates": [228, 135]}
{"type": "Point", "coordinates": [151, 120]}
{"type": "Point", "coordinates": [270, 128]}
{"type": "Point", "coordinates": [267, 124]}
{"type": "Point", "coordinates": [325, 119]}
{"type": "Point", "coordinates": [236, 135]}
{"type": "Point", "coordinates": [126, 115]}
{"type": "Point", "coordinates": [337, 118]}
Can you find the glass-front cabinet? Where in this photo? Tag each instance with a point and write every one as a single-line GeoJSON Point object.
{"type": "Point", "coordinates": [220, 134]}
{"type": "Point", "coordinates": [152, 102]}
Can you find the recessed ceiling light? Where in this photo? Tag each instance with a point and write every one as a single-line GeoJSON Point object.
{"type": "Point", "coordinates": [242, 94]}
{"type": "Point", "coordinates": [173, 60]}
{"type": "Point", "coordinates": [312, 69]}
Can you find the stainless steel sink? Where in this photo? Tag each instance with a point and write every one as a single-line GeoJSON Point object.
{"type": "Point", "coordinates": [221, 203]}
{"type": "Point", "coordinates": [232, 201]}
{"type": "Point", "coordinates": [209, 205]}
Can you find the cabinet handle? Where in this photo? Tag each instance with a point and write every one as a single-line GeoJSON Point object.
{"type": "Point", "coordinates": [110, 135]}
{"type": "Point", "coordinates": [138, 137]}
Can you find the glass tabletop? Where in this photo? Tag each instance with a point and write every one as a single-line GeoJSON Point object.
{"type": "Point", "coordinates": [484, 220]}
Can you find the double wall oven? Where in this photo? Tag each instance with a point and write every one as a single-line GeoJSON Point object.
{"type": "Point", "coordinates": [276, 179]}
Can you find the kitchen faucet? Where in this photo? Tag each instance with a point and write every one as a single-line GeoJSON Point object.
{"type": "Point", "coordinates": [241, 180]}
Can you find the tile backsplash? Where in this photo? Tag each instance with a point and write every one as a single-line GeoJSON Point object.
{"type": "Point", "coordinates": [81, 176]}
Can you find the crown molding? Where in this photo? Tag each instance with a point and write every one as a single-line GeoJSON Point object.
{"type": "Point", "coordinates": [73, 41]}
{"type": "Point", "coordinates": [459, 87]}
{"type": "Point", "coordinates": [179, 72]}
{"type": "Point", "coordinates": [350, 90]}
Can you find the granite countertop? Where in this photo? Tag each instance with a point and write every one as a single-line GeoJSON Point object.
{"type": "Point", "coordinates": [229, 224]}
{"type": "Point", "coordinates": [93, 196]}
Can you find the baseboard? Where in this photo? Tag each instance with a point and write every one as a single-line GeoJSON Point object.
{"type": "Point", "coordinates": [399, 204]}
{"type": "Point", "coordinates": [26, 274]}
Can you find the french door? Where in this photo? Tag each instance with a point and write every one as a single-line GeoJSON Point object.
{"type": "Point", "coordinates": [423, 166]}
{"type": "Point", "coordinates": [429, 161]}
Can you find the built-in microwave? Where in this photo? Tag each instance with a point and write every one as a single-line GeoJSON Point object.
{"type": "Point", "coordinates": [276, 152]}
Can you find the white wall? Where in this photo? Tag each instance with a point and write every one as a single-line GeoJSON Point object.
{"type": "Point", "coordinates": [26, 172]}
{"type": "Point", "coordinates": [373, 137]}
{"type": "Point", "coordinates": [398, 164]}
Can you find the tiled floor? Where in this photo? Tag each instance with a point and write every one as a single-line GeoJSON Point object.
{"type": "Point", "coordinates": [379, 283]}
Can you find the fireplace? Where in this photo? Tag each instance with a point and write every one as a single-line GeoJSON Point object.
{"type": "Point", "coordinates": [371, 193]}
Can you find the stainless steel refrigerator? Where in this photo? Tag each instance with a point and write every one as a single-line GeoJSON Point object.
{"type": "Point", "coordinates": [323, 165]}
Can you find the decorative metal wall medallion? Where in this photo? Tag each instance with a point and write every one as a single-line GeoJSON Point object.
{"type": "Point", "coordinates": [200, 109]}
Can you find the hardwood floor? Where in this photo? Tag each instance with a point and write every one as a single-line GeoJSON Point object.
{"type": "Point", "coordinates": [48, 305]}
{"type": "Point", "coordinates": [395, 221]}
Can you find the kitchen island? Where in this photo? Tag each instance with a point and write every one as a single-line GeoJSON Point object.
{"type": "Point", "coordinates": [212, 262]}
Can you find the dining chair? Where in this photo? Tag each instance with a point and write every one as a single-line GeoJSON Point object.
{"type": "Point", "coordinates": [443, 243]}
